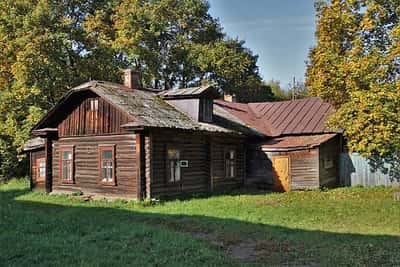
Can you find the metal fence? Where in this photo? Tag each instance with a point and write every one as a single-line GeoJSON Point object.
{"type": "Point", "coordinates": [355, 170]}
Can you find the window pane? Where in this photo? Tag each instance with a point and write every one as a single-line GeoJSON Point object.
{"type": "Point", "coordinates": [232, 154]}
{"type": "Point", "coordinates": [67, 155]}
{"type": "Point", "coordinates": [106, 154]}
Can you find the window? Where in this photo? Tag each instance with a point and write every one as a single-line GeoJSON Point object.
{"type": "Point", "coordinates": [41, 170]}
{"type": "Point", "coordinates": [173, 165]}
{"type": "Point", "coordinates": [230, 163]}
{"type": "Point", "coordinates": [206, 109]}
{"type": "Point", "coordinates": [67, 165]}
{"type": "Point", "coordinates": [106, 164]}
{"type": "Point", "coordinates": [94, 114]}
{"type": "Point", "coordinates": [94, 105]}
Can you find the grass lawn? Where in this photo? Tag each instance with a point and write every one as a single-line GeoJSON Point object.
{"type": "Point", "coordinates": [346, 227]}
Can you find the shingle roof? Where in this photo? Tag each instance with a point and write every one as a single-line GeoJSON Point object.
{"type": "Point", "coordinates": [303, 116]}
{"type": "Point", "coordinates": [294, 142]}
{"type": "Point", "coordinates": [148, 109]}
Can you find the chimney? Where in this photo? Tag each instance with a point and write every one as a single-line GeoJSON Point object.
{"type": "Point", "coordinates": [131, 79]}
{"type": "Point", "coordinates": [229, 97]}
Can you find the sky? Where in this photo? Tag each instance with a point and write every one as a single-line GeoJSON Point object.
{"type": "Point", "coordinates": [280, 32]}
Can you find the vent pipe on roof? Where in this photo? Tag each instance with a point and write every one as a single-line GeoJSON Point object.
{"type": "Point", "coordinates": [131, 79]}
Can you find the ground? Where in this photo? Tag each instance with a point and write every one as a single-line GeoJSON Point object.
{"type": "Point", "coordinates": [345, 226]}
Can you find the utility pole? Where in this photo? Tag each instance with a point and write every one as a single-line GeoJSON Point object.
{"type": "Point", "coordinates": [294, 88]}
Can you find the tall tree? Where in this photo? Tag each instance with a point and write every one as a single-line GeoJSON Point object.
{"type": "Point", "coordinates": [49, 46]}
{"type": "Point", "coordinates": [45, 51]}
{"type": "Point", "coordinates": [356, 66]}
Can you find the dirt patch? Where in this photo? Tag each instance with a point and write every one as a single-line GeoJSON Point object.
{"type": "Point", "coordinates": [245, 250]}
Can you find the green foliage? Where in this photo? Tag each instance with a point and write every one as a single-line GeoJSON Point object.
{"type": "Point", "coordinates": [50, 46]}
{"type": "Point", "coordinates": [340, 227]}
{"type": "Point", "coordinates": [355, 66]}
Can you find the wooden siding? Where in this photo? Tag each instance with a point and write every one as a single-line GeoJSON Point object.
{"type": "Point", "coordinates": [219, 145]}
{"type": "Point", "coordinates": [259, 167]}
{"type": "Point", "coordinates": [304, 168]}
{"type": "Point", "coordinates": [81, 120]}
{"type": "Point", "coordinates": [87, 165]}
{"type": "Point", "coordinates": [35, 155]}
{"type": "Point", "coordinates": [195, 148]}
{"type": "Point", "coordinates": [329, 162]}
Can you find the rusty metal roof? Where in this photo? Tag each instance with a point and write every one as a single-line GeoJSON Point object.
{"type": "Point", "coordinates": [288, 143]}
{"type": "Point", "coordinates": [303, 116]}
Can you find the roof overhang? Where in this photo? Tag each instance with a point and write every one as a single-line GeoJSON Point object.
{"type": "Point", "coordinates": [296, 142]}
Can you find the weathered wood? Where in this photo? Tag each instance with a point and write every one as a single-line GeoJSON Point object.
{"type": "Point", "coordinates": [34, 156]}
{"type": "Point", "coordinates": [49, 161]}
{"type": "Point", "coordinates": [87, 166]}
{"type": "Point", "coordinates": [88, 118]}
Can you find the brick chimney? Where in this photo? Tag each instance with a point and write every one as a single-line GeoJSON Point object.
{"type": "Point", "coordinates": [131, 79]}
{"type": "Point", "coordinates": [229, 97]}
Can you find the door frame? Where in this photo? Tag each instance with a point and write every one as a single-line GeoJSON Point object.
{"type": "Point", "coordinates": [289, 171]}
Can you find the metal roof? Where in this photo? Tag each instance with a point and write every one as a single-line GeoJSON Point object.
{"type": "Point", "coordinates": [287, 143]}
{"type": "Point", "coordinates": [303, 116]}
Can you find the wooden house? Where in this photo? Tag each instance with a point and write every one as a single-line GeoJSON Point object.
{"type": "Point", "coordinates": [299, 152]}
{"type": "Point", "coordinates": [129, 142]}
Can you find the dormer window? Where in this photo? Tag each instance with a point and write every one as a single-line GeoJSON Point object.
{"type": "Point", "coordinates": [206, 110]}
{"type": "Point", "coordinates": [196, 102]}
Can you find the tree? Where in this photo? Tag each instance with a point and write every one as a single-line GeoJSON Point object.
{"type": "Point", "coordinates": [50, 46]}
{"type": "Point", "coordinates": [295, 92]}
{"type": "Point", "coordinates": [355, 66]}
{"type": "Point", "coordinates": [45, 51]}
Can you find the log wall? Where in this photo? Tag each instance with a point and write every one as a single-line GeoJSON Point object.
{"type": "Point", "coordinates": [206, 163]}
{"type": "Point", "coordinates": [86, 165]}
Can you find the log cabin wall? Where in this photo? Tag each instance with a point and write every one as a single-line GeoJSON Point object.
{"type": "Point", "coordinates": [86, 165]}
{"type": "Point", "coordinates": [193, 148]}
{"type": "Point", "coordinates": [329, 162]}
{"type": "Point", "coordinates": [304, 168]}
{"type": "Point", "coordinates": [91, 115]}
{"type": "Point", "coordinates": [199, 150]}
{"type": "Point", "coordinates": [259, 167]}
{"type": "Point", "coordinates": [219, 146]}
{"type": "Point", "coordinates": [35, 156]}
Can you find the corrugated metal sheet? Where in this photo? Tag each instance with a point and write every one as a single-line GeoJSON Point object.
{"type": "Point", "coordinates": [303, 116]}
{"type": "Point", "coordinates": [355, 170]}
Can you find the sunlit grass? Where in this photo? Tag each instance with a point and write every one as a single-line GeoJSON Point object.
{"type": "Point", "coordinates": [345, 226]}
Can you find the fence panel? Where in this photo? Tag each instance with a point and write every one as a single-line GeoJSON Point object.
{"type": "Point", "coordinates": [355, 170]}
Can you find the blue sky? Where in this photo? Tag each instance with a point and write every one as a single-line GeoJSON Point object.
{"type": "Point", "coordinates": [280, 32]}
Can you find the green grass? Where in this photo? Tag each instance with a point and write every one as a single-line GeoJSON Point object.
{"type": "Point", "coordinates": [346, 227]}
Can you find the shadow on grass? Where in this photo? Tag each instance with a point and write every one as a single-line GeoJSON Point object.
{"type": "Point", "coordinates": [80, 233]}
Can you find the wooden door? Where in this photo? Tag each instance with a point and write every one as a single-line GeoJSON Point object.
{"type": "Point", "coordinates": [281, 167]}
